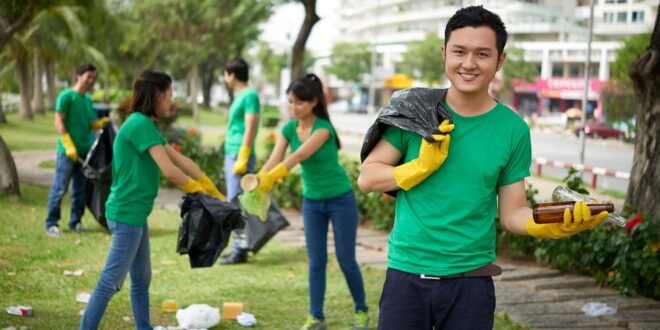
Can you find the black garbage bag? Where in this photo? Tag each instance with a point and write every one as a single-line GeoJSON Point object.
{"type": "Point", "coordinates": [418, 110]}
{"type": "Point", "coordinates": [98, 170]}
{"type": "Point", "coordinates": [260, 232]}
{"type": "Point", "coordinates": [206, 227]}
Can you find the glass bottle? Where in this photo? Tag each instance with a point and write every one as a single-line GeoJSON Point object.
{"type": "Point", "coordinates": [554, 212]}
{"type": "Point", "coordinates": [564, 194]}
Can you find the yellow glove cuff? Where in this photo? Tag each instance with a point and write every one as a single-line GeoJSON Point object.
{"type": "Point", "coordinates": [242, 159]}
{"type": "Point", "coordinates": [98, 124]}
{"type": "Point", "coordinates": [409, 175]}
{"type": "Point", "coordinates": [69, 147]}
{"type": "Point", "coordinates": [279, 171]}
{"type": "Point", "coordinates": [192, 186]}
{"type": "Point", "coordinates": [210, 188]}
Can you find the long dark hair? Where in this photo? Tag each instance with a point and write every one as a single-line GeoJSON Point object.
{"type": "Point", "coordinates": [309, 88]}
{"type": "Point", "coordinates": [146, 89]}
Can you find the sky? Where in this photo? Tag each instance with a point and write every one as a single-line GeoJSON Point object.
{"type": "Point", "coordinates": [288, 18]}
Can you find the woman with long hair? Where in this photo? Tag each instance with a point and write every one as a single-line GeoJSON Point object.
{"type": "Point", "coordinates": [139, 154]}
{"type": "Point", "coordinates": [327, 194]}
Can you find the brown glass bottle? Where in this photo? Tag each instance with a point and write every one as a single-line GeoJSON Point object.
{"type": "Point", "coordinates": [554, 212]}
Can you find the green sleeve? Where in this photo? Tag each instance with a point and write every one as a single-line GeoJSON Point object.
{"type": "Point", "coordinates": [63, 103]}
{"type": "Point", "coordinates": [288, 129]}
{"type": "Point", "coordinates": [394, 136]}
{"type": "Point", "coordinates": [145, 136]}
{"type": "Point", "coordinates": [521, 159]}
{"type": "Point", "coordinates": [251, 103]}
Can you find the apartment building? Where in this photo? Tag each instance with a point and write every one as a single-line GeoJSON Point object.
{"type": "Point", "coordinates": [553, 35]}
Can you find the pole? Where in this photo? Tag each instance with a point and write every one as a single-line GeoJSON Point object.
{"type": "Point", "coordinates": [371, 104]}
{"type": "Point", "coordinates": [585, 97]}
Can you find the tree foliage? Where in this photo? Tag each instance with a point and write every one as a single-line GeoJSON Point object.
{"type": "Point", "coordinates": [619, 96]}
{"type": "Point", "coordinates": [423, 60]}
{"type": "Point", "coordinates": [348, 61]}
{"type": "Point", "coordinates": [515, 67]}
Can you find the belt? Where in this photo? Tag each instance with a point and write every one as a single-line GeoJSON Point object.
{"type": "Point", "coordinates": [485, 271]}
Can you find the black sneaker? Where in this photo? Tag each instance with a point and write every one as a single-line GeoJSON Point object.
{"type": "Point", "coordinates": [234, 259]}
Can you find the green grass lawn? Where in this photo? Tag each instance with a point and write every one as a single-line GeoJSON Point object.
{"type": "Point", "coordinates": [206, 118]}
{"type": "Point", "coordinates": [38, 134]}
{"type": "Point", "coordinates": [273, 286]}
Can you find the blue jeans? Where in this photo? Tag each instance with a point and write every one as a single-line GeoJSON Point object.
{"type": "Point", "coordinates": [410, 302]}
{"type": "Point", "coordinates": [317, 214]}
{"type": "Point", "coordinates": [129, 251]}
{"type": "Point", "coordinates": [67, 170]}
{"type": "Point", "coordinates": [233, 182]}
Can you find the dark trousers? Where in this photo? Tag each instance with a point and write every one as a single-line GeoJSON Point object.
{"type": "Point", "coordinates": [409, 302]}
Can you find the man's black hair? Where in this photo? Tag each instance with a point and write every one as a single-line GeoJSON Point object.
{"type": "Point", "coordinates": [477, 16]}
{"type": "Point", "coordinates": [84, 68]}
{"type": "Point", "coordinates": [239, 68]}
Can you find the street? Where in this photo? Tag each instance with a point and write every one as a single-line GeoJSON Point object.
{"type": "Point", "coordinates": [557, 146]}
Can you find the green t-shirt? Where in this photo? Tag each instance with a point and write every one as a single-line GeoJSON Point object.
{"type": "Point", "coordinates": [78, 117]}
{"type": "Point", "coordinates": [445, 225]}
{"type": "Point", "coordinates": [322, 175]}
{"type": "Point", "coordinates": [247, 101]}
{"type": "Point", "coordinates": [135, 175]}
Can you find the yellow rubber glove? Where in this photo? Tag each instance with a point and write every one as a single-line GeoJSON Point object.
{"type": "Point", "coordinates": [69, 147]}
{"type": "Point", "coordinates": [266, 180]}
{"type": "Point", "coordinates": [98, 124]}
{"type": "Point", "coordinates": [192, 186]}
{"type": "Point", "coordinates": [210, 188]}
{"type": "Point", "coordinates": [431, 156]}
{"type": "Point", "coordinates": [580, 220]}
{"type": "Point", "coordinates": [240, 167]}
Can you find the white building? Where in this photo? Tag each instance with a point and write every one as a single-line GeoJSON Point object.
{"type": "Point", "coordinates": [553, 34]}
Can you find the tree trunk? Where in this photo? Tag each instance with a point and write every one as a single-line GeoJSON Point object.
{"type": "Point", "coordinates": [38, 95]}
{"type": "Point", "coordinates": [50, 81]}
{"type": "Point", "coordinates": [3, 119]}
{"type": "Point", "coordinates": [8, 174]}
{"type": "Point", "coordinates": [298, 51]}
{"type": "Point", "coordinates": [8, 30]}
{"type": "Point", "coordinates": [24, 79]}
{"type": "Point", "coordinates": [208, 77]}
{"type": "Point", "coordinates": [644, 186]}
{"type": "Point", "coordinates": [194, 90]}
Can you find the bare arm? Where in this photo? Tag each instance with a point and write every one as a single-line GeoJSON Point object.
{"type": "Point", "coordinates": [308, 148]}
{"type": "Point", "coordinates": [514, 211]}
{"type": "Point", "coordinates": [171, 171]}
{"type": "Point", "coordinates": [377, 173]}
{"type": "Point", "coordinates": [184, 163]}
{"type": "Point", "coordinates": [59, 123]}
{"type": "Point", "coordinates": [251, 121]}
{"type": "Point", "coordinates": [277, 154]}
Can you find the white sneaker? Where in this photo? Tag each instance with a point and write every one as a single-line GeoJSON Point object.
{"type": "Point", "coordinates": [53, 231]}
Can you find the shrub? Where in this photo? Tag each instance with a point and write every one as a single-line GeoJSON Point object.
{"type": "Point", "coordinates": [270, 116]}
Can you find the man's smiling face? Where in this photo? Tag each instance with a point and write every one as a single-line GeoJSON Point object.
{"type": "Point", "coordinates": [471, 59]}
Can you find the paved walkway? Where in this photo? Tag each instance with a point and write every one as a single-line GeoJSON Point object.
{"type": "Point", "coordinates": [534, 296]}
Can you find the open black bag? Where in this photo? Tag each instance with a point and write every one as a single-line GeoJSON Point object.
{"type": "Point", "coordinates": [418, 110]}
{"type": "Point", "coordinates": [260, 232]}
{"type": "Point", "coordinates": [98, 170]}
{"type": "Point", "coordinates": [206, 227]}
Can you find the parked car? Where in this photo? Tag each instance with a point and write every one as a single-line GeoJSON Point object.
{"type": "Point", "coordinates": [600, 130]}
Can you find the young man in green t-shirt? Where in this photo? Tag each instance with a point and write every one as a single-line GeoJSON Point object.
{"type": "Point", "coordinates": [443, 241]}
{"type": "Point", "coordinates": [239, 142]}
{"type": "Point", "coordinates": [74, 118]}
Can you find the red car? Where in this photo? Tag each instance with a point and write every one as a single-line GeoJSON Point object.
{"type": "Point", "coordinates": [600, 130]}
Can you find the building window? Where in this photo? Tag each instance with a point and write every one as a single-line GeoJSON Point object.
{"type": "Point", "coordinates": [557, 70]}
{"type": "Point", "coordinates": [608, 17]}
{"type": "Point", "coordinates": [621, 17]}
{"type": "Point", "coordinates": [638, 16]}
{"type": "Point", "coordinates": [574, 70]}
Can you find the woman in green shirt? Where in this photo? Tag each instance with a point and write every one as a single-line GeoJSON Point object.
{"type": "Point", "coordinates": [139, 154]}
{"type": "Point", "coordinates": [327, 194]}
